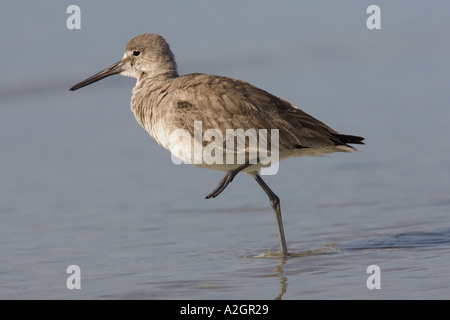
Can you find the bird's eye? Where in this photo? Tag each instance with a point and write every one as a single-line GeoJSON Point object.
{"type": "Point", "coordinates": [136, 53]}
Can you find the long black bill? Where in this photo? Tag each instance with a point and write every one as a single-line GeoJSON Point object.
{"type": "Point", "coordinates": [111, 70]}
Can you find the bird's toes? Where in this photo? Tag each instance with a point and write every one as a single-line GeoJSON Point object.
{"type": "Point", "coordinates": [212, 195]}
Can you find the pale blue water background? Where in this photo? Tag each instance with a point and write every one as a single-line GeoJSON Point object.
{"type": "Point", "coordinates": [82, 183]}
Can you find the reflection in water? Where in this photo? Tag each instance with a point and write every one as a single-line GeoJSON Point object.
{"type": "Point", "coordinates": [279, 272]}
{"type": "Point", "coordinates": [282, 278]}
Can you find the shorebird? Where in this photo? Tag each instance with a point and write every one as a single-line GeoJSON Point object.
{"type": "Point", "coordinates": [164, 101]}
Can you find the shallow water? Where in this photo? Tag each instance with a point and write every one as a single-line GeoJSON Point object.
{"type": "Point", "coordinates": [82, 184]}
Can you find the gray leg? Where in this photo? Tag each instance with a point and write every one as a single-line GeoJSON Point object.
{"type": "Point", "coordinates": [229, 176]}
{"type": "Point", "coordinates": [275, 203]}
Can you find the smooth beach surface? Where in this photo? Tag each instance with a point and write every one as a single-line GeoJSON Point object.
{"type": "Point", "coordinates": [81, 183]}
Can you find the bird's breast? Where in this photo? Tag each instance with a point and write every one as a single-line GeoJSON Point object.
{"type": "Point", "coordinates": [153, 113]}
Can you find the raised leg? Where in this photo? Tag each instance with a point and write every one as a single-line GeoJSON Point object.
{"type": "Point", "coordinates": [229, 176]}
{"type": "Point", "coordinates": [275, 203]}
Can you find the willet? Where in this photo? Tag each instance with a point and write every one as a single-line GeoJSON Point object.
{"type": "Point", "coordinates": [163, 102]}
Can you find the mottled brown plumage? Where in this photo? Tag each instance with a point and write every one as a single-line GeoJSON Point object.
{"type": "Point", "coordinates": [163, 102]}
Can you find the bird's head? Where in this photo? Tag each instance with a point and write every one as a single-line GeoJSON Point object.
{"type": "Point", "coordinates": [147, 55]}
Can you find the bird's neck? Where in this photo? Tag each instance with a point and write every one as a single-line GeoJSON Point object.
{"type": "Point", "coordinates": [162, 70]}
{"type": "Point", "coordinates": [147, 84]}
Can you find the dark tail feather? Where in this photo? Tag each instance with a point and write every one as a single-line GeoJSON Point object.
{"type": "Point", "coordinates": [345, 139]}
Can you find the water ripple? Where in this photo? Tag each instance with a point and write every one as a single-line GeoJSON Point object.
{"type": "Point", "coordinates": [401, 240]}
